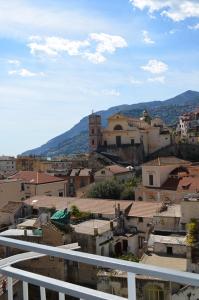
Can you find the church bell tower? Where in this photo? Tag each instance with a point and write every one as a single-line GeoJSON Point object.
{"type": "Point", "coordinates": [95, 135]}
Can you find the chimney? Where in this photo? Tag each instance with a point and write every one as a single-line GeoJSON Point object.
{"type": "Point", "coordinates": [118, 209]}
{"type": "Point", "coordinates": [111, 225]}
{"type": "Point", "coordinates": [95, 231]}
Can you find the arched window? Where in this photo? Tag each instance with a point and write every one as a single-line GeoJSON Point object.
{"type": "Point", "coordinates": [118, 127]}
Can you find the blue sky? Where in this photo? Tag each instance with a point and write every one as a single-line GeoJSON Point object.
{"type": "Point", "coordinates": [61, 59]}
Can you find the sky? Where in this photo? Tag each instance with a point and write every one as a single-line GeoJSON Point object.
{"type": "Point", "coordinates": [59, 60]}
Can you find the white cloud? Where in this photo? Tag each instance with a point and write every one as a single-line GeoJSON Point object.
{"type": "Point", "coordinates": [95, 58]}
{"type": "Point", "coordinates": [101, 43]}
{"type": "Point", "coordinates": [25, 73]}
{"type": "Point", "coordinates": [108, 43]}
{"type": "Point", "coordinates": [146, 37]}
{"type": "Point", "coordinates": [135, 81]}
{"type": "Point", "coordinates": [155, 66]}
{"type": "Point", "coordinates": [112, 92]}
{"type": "Point", "coordinates": [194, 27]}
{"type": "Point", "coordinates": [20, 19]}
{"type": "Point", "coordinates": [52, 46]}
{"type": "Point", "coordinates": [14, 62]}
{"type": "Point", "coordinates": [160, 79]}
{"type": "Point", "coordinates": [177, 10]}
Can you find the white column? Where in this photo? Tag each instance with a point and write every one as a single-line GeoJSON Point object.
{"type": "Point", "coordinates": [25, 291]}
{"type": "Point", "coordinates": [42, 293]}
{"type": "Point", "coordinates": [131, 286]}
{"type": "Point", "coordinates": [10, 290]}
{"type": "Point", "coordinates": [61, 296]}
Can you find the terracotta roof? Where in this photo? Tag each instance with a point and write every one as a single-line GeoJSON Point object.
{"type": "Point", "coordinates": [11, 207]}
{"type": "Point", "coordinates": [35, 177]}
{"type": "Point", "coordinates": [190, 183]}
{"type": "Point", "coordinates": [168, 160]}
{"type": "Point", "coordinates": [116, 169]}
{"type": "Point", "coordinates": [179, 170]}
{"type": "Point", "coordinates": [95, 206]}
{"type": "Point", "coordinates": [144, 209]}
{"type": "Point", "coordinates": [171, 184]}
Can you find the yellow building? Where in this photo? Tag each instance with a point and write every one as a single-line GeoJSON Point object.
{"type": "Point", "coordinates": [127, 131]}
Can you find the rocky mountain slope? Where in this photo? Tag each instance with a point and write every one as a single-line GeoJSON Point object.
{"type": "Point", "coordinates": [75, 139]}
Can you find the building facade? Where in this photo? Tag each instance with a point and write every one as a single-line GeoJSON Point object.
{"type": "Point", "coordinates": [7, 165]}
{"type": "Point", "coordinates": [123, 131]}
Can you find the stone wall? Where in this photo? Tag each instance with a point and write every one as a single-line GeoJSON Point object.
{"type": "Point", "coordinates": [132, 154]}
{"type": "Point", "coordinates": [184, 151]}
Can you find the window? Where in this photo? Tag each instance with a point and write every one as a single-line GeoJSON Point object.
{"type": "Point", "coordinates": [140, 220]}
{"type": "Point", "coordinates": [150, 179]}
{"type": "Point", "coordinates": [132, 141]}
{"type": "Point", "coordinates": [118, 140]}
{"type": "Point", "coordinates": [92, 131]}
{"type": "Point", "coordinates": [102, 172]}
{"type": "Point", "coordinates": [183, 226]}
{"type": "Point", "coordinates": [118, 127]}
{"type": "Point", "coordinates": [140, 241]}
{"type": "Point", "coordinates": [61, 194]}
{"type": "Point", "coordinates": [93, 142]}
{"type": "Point", "coordinates": [22, 187]}
{"type": "Point", "coordinates": [169, 250]}
{"type": "Point", "coordinates": [51, 258]}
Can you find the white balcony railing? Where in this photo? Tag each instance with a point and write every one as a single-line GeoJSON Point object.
{"type": "Point", "coordinates": [65, 288]}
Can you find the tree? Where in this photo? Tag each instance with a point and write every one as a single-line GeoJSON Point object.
{"type": "Point", "coordinates": [108, 189]}
{"type": "Point", "coordinates": [114, 189]}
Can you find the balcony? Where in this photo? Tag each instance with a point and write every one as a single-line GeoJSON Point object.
{"type": "Point", "coordinates": [65, 288]}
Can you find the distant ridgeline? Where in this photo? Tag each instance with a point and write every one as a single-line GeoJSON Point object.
{"type": "Point", "coordinates": [76, 139]}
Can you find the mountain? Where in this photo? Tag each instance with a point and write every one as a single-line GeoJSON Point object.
{"type": "Point", "coordinates": [75, 140]}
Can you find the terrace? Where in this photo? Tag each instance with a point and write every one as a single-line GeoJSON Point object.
{"type": "Point", "coordinates": [80, 292]}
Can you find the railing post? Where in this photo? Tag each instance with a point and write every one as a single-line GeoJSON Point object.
{"type": "Point", "coordinates": [131, 286]}
{"type": "Point", "coordinates": [25, 291]}
{"type": "Point", "coordinates": [42, 293]}
{"type": "Point", "coordinates": [10, 289]}
{"type": "Point", "coordinates": [61, 296]}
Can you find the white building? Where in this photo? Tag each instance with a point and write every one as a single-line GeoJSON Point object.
{"type": "Point", "coordinates": [7, 165]}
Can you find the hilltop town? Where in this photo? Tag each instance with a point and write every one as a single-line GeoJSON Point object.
{"type": "Point", "coordinates": [133, 197]}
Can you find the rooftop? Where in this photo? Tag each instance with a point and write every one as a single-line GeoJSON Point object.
{"type": "Point", "coordinates": [20, 232]}
{"type": "Point", "coordinates": [27, 223]}
{"type": "Point", "coordinates": [175, 263]}
{"type": "Point", "coordinates": [168, 239]}
{"type": "Point", "coordinates": [85, 172]}
{"type": "Point", "coordinates": [4, 157]}
{"type": "Point", "coordinates": [75, 172]}
{"type": "Point", "coordinates": [168, 160]}
{"type": "Point", "coordinates": [35, 177]}
{"type": "Point", "coordinates": [171, 211]}
{"type": "Point", "coordinates": [116, 169]}
{"type": "Point", "coordinates": [11, 207]}
{"type": "Point", "coordinates": [144, 209]}
{"type": "Point", "coordinates": [95, 206]}
{"type": "Point", "coordinates": [89, 227]}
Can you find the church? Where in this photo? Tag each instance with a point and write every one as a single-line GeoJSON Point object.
{"type": "Point", "coordinates": [128, 132]}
